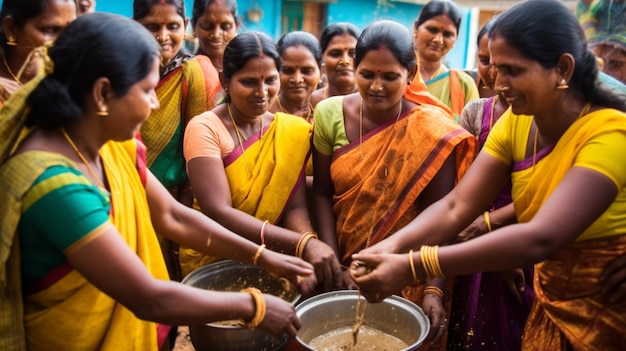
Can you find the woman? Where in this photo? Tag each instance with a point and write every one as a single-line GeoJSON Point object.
{"type": "Point", "coordinates": [215, 24]}
{"type": "Point", "coordinates": [187, 88]}
{"type": "Point", "coordinates": [380, 158]}
{"type": "Point", "coordinates": [435, 32]}
{"type": "Point", "coordinates": [246, 164]}
{"type": "Point", "coordinates": [27, 25]}
{"type": "Point", "coordinates": [486, 301]}
{"type": "Point", "coordinates": [301, 60]}
{"type": "Point", "coordinates": [77, 203]}
{"type": "Point", "coordinates": [337, 43]}
{"type": "Point", "coordinates": [569, 205]}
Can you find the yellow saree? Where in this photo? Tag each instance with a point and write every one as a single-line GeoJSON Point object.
{"type": "Point", "coordinates": [185, 92]}
{"type": "Point", "coordinates": [265, 176]}
{"type": "Point", "coordinates": [72, 314]}
{"type": "Point", "coordinates": [570, 310]}
{"type": "Point", "coordinates": [377, 194]}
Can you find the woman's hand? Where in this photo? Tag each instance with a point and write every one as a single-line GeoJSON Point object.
{"type": "Point", "coordinates": [327, 267]}
{"type": "Point", "coordinates": [280, 317]}
{"type": "Point", "coordinates": [385, 274]}
{"type": "Point", "coordinates": [477, 228]}
{"type": "Point", "coordinates": [613, 279]}
{"type": "Point", "coordinates": [296, 270]}
{"type": "Point", "coordinates": [515, 281]}
{"type": "Point", "coordinates": [433, 308]}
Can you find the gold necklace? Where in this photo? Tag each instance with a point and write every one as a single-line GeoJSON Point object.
{"type": "Point", "coordinates": [240, 136]}
{"type": "Point", "coordinates": [82, 158]}
{"type": "Point", "coordinates": [361, 127]}
{"type": "Point", "coordinates": [309, 109]}
{"type": "Point", "coordinates": [15, 78]}
{"type": "Point", "coordinates": [493, 111]}
{"type": "Point", "coordinates": [582, 112]}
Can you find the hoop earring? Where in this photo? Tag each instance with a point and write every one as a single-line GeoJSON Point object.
{"type": "Point", "coordinates": [11, 41]}
{"type": "Point", "coordinates": [562, 85]}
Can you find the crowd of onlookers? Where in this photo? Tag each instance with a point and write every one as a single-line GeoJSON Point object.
{"type": "Point", "coordinates": [127, 162]}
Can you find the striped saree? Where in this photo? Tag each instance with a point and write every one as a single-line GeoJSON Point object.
{"type": "Point", "coordinates": [376, 190]}
{"type": "Point", "coordinates": [69, 313]}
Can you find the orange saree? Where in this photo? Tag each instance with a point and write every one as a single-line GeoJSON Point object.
{"type": "Point", "coordinates": [376, 190]}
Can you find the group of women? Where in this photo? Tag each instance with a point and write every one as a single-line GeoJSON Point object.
{"type": "Point", "coordinates": [124, 158]}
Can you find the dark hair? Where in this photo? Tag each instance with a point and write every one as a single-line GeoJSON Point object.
{"type": "Point", "coordinates": [390, 35]}
{"type": "Point", "coordinates": [141, 8]}
{"type": "Point", "coordinates": [438, 8]}
{"type": "Point", "coordinates": [199, 6]}
{"type": "Point", "coordinates": [301, 38]}
{"type": "Point", "coordinates": [244, 47]}
{"type": "Point", "coordinates": [484, 31]}
{"type": "Point", "coordinates": [336, 29]}
{"type": "Point", "coordinates": [21, 11]}
{"type": "Point", "coordinates": [542, 31]}
{"type": "Point", "coordinates": [90, 48]}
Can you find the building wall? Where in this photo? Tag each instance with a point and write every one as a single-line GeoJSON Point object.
{"type": "Point", "coordinates": [354, 11]}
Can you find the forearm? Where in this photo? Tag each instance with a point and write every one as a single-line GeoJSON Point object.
{"type": "Point", "coordinates": [502, 217]}
{"type": "Point", "coordinates": [438, 224]}
{"type": "Point", "coordinates": [199, 232]}
{"type": "Point", "coordinates": [175, 304]}
{"type": "Point", "coordinates": [325, 221]}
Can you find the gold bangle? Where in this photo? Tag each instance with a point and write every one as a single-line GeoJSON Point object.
{"type": "Point", "coordinates": [257, 255]}
{"type": "Point", "coordinates": [302, 243]}
{"type": "Point", "coordinates": [431, 289]}
{"type": "Point", "coordinates": [487, 221]}
{"type": "Point", "coordinates": [430, 261]}
{"type": "Point", "coordinates": [259, 302]}
{"type": "Point", "coordinates": [412, 264]}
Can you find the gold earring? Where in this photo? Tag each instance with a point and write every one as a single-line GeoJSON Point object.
{"type": "Point", "coordinates": [11, 41]}
{"type": "Point", "coordinates": [102, 112]}
{"type": "Point", "coordinates": [562, 84]}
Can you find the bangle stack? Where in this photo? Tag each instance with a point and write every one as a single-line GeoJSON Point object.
{"type": "Point", "coordinates": [259, 302]}
{"type": "Point", "coordinates": [257, 255]}
{"type": "Point", "coordinates": [263, 232]}
{"type": "Point", "coordinates": [487, 221]}
{"type": "Point", "coordinates": [302, 243]}
{"type": "Point", "coordinates": [433, 290]}
{"type": "Point", "coordinates": [430, 261]}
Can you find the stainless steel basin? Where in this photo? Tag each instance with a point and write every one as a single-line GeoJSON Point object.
{"type": "Point", "coordinates": [333, 310]}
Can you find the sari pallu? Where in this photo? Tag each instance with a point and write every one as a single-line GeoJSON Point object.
{"type": "Point", "coordinates": [186, 91]}
{"type": "Point", "coordinates": [71, 313]}
{"type": "Point", "coordinates": [570, 309]}
{"type": "Point", "coordinates": [265, 177]}
{"type": "Point", "coordinates": [377, 194]}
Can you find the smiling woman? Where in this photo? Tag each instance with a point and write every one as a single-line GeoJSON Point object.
{"type": "Point", "coordinates": [435, 32]}
{"type": "Point", "coordinates": [246, 164]}
{"type": "Point", "coordinates": [188, 87]}
{"type": "Point", "coordinates": [26, 26]}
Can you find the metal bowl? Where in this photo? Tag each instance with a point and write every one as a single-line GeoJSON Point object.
{"type": "Point", "coordinates": [231, 275]}
{"type": "Point", "coordinates": [333, 310]}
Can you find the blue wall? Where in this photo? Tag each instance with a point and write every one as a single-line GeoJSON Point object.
{"type": "Point", "coordinates": [340, 11]}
